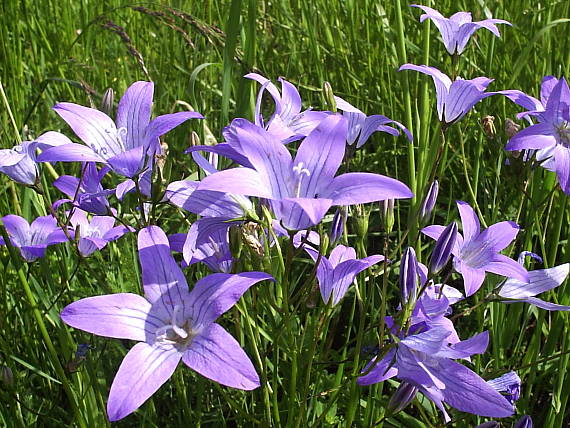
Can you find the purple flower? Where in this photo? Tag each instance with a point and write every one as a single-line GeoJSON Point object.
{"type": "Point", "coordinates": [19, 162]}
{"type": "Point", "coordinates": [551, 135]}
{"type": "Point", "coordinates": [86, 192]}
{"type": "Point", "coordinates": [208, 242]}
{"type": "Point", "coordinates": [96, 233]}
{"type": "Point", "coordinates": [477, 252]}
{"type": "Point", "coordinates": [301, 190]}
{"type": "Point", "coordinates": [454, 99]}
{"type": "Point", "coordinates": [429, 202]}
{"type": "Point", "coordinates": [32, 239]}
{"type": "Point", "coordinates": [170, 323]}
{"type": "Point", "coordinates": [443, 248]}
{"type": "Point", "coordinates": [403, 396]}
{"type": "Point", "coordinates": [509, 385]}
{"type": "Point", "coordinates": [287, 123]}
{"type": "Point", "coordinates": [362, 127]}
{"type": "Point", "coordinates": [458, 28]}
{"type": "Point", "coordinates": [539, 281]}
{"type": "Point", "coordinates": [338, 271]}
{"type": "Point", "coordinates": [425, 360]}
{"type": "Point", "coordinates": [122, 144]}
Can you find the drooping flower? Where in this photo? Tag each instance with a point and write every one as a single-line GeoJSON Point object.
{"type": "Point", "coordinates": [19, 162]}
{"type": "Point", "coordinates": [458, 28]}
{"type": "Point", "coordinates": [86, 192]}
{"type": "Point", "coordinates": [338, 271]}
{"type": "Point", "coordinates": [539, 281]}
{"type": "Point", "coordinates": [170, 323]}
{"type": "Point", "coordinates": [477, 252]}
{"type": "Point", "coordinates": [302, 190]}
{"type": "Point", "coordinates": [551, 135]}
{"type": "Point", "coordinates": [287, 123]}
{"type": "Point", "coordinates": [32, 239]}
{"type": "Point", "coordinates": [454, 99]}
{"type": "Point", "coordinates": [122, 144]}
{"type": "Point", "coordinates": [208, 242]}
{"type": "Point", "coordinates": [425, 360]}
{"type": "Point", "coordinates": [361, 127]}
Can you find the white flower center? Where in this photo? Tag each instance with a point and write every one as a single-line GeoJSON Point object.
{"type": "Point", "coordinates": [301, 171]}
{"type": "Point", "coordinates": [177, 332]}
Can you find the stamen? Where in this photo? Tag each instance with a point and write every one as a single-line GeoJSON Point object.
{"type": "Point", "coordinates": [300, 170]}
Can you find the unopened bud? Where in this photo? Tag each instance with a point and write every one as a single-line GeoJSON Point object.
{"type": "Point", "coordinates": [443, 247]}
{"type": "Point", "coordinates": [511, 128]}
{"type": "Point", "coordinates": [329, 96]}
{"type": "Point", "coordinates": [107, 102]}
{"type": "Point", "coordinates": [408, 275]}
{"type": "Point", "coordinates": [337, 226]}
{"type": "Point", "coordinates": [429, 202]}
{"type": "Point", "coordinates": [7, 376]}
{"type": "Point", "coordinates": [524, 422]}
{"type": "Point", "coordinates": [361, 220]}
{"type": "Point", "coordinates": [387, 214]}
{"type": "Point", "coordinates": [403, 396]}
{"type": "Point", "coordinates": [489, 126]}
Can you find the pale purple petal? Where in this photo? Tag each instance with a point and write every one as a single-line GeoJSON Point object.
{"type": "Point", "coordinates": [522, 99]}
{"type": "Point", "coordinates": [362, 187]}
{"type": "Point", "coordinates": [472, 278]}
{"type": "Point", "coordinates": [144, 369]}
{"type": "Point", "coordinates": [469, 221]}
{"type": "Point", "coordinates": [51, 139]}
{"type": "Point", "coordinates": [223, 149]}
{"type": "Point", "coordinates": [344, 275]}
{"type": "Point", "coordinates": [162, 124]}
{"type": "Point", "coordinates": [300, 213]}
{"type": "Point", "coordinates": [429, 342]}
{"type": "Point", "coordinates": [340, 254]}
{"type": "Point", "coordinates": [463, 95]}
{"type": "Point", "coordinates": [215, 354]}
{"type": "Point", "coordinates": [122, 316]}
{"type": "Point", "coordinates": [128, 163]}
{"type": "Point", "coordinates": [71, 153]}
{"type": "Point", "coordinates": [241, 181]}
{"type": "Point", "coordinates": [546, 87]}
{"type": "Point", "coordinates": [441, 81]}
{"type": "Point", "coordinates": [18, 229]}
{"type": "Point", "coordinates": [498, 236]}
{"type": "Point", "coordinates": [545, 305]}
{"type": "Point", "coordinates": [133, 113]}
{"type": "Point", "coordinates": [163, 280]}
{"type": "Point", "coordinates": [539, 136]}
{"type": "Point", "coordinates": [381, 371]}
{"type": "Point", "coordinates": [41, 228]}
{"type": "Point", "coordinates": [95, 128]}
{"type": "Point", "coordinates": [464, 349]}
{"type": "Point", "coordinates": [539, 281]}
{"type": "Point", "coordinates": [505, 266]}
{"type": "Point", "coordinates": [216, 293]}
{"type": "Point", "coordinates": [562, 167]}
{"type": "Point", "coordinates": [290, 101]}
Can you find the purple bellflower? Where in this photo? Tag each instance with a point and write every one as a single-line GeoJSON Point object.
{"type": "Point", "coordinates": [551, 135]}
{"type": "Point", "coordinates": [170, 323]}
{"type": "Point", "coordinates": [288, 123]}
{"type": "Point", "coordinates": [338, 271]}
{"type": "Point", "coordinates": [122, 144]}
{"type": "Point", "coordinates": [96, 233]}
{"type": "Point", "coordinates": [454, 99]}
{"type": "Point", "coordinates": [32, 239]}
{"type": "Point", "coordinates": [208, 242]}
{"type": "Point", "coordinates": [361, 127]}
{"type": "Point", "coordinates": [425, 360]}
{"type": "Point", "coordinates": [300, 190]}
{"type": "Point", "coordinates": [19, 162]}
{"type": "Point", "coordinates": [477, 252]}
{"type": "Point", "coordinates": [539, 281]}
{"type": "Point", "coordinates": [458, 28]}
{"type": "Point", "coordinates": [86, 192]}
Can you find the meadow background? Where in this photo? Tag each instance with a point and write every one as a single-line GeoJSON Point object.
{"type": "Point", "coordinates": [196, 53]}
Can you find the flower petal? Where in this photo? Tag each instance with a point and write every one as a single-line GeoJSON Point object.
{"type": "Point", "coordinates": [162, 124]}
{"type": "Point", "coordinates": [122, 316]}
{"type": "Point", "coordinates": [469, 221]}
{"type": "Point", "coordinates": [216, 293]}
{"type": "Point", "coordinates": [383, 370]}
{"type": "Point", "coordinates": [70, 153]}
{"type": "Point", "coordinates": [539, 281]}
{"type": "Point", "coordinates": [240, 181]}
{"type": "Point", "coordinates": [363, 187]}
{"type": "Point", "coordinates": [441, 81]}
{"type": "Point", "coordinates": [144, 369]}
{"type": "Point", "coordinates": [498, 236]}
{"type": "Point", "coordinates": [539, 136]}
{"type": "Point", "coordinates": [133, 112]}
{"type": "Point", "coordinates": [505, 266]}
{"type": "Point", "coordinates": [215, 354]}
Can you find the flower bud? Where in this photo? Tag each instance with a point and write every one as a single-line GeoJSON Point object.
{"type": "Point", "coordinates": [511, 128]}
{"type": "Point", "coordinates": [107, 102]}
{"type": "Point", "coordinates": [387, 214]}
{"type": "Point", "coordinates": [408, 275]}
{"type": "Point", "coordinates": [524, 422]}
{"type": "Point", "coordinates": [403, 396]}
{"type": "Point", "coordinates": [7, 376]}
{"type": "Point", "coordinates": [361, 220]}
{"type": "Point", "coordinates": [329, 96]}
{"type": "Point", "coordinates": [194, 139]}
{"type": "Point", "coordinates": [443, 247]}
{"type": "Point", "coordinates": [337, 226]}
{"type": "Point", "coordinates": [429, 202]}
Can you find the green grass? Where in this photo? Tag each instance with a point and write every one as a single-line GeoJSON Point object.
{"type": "Point", "coordinates": [196, 53]}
